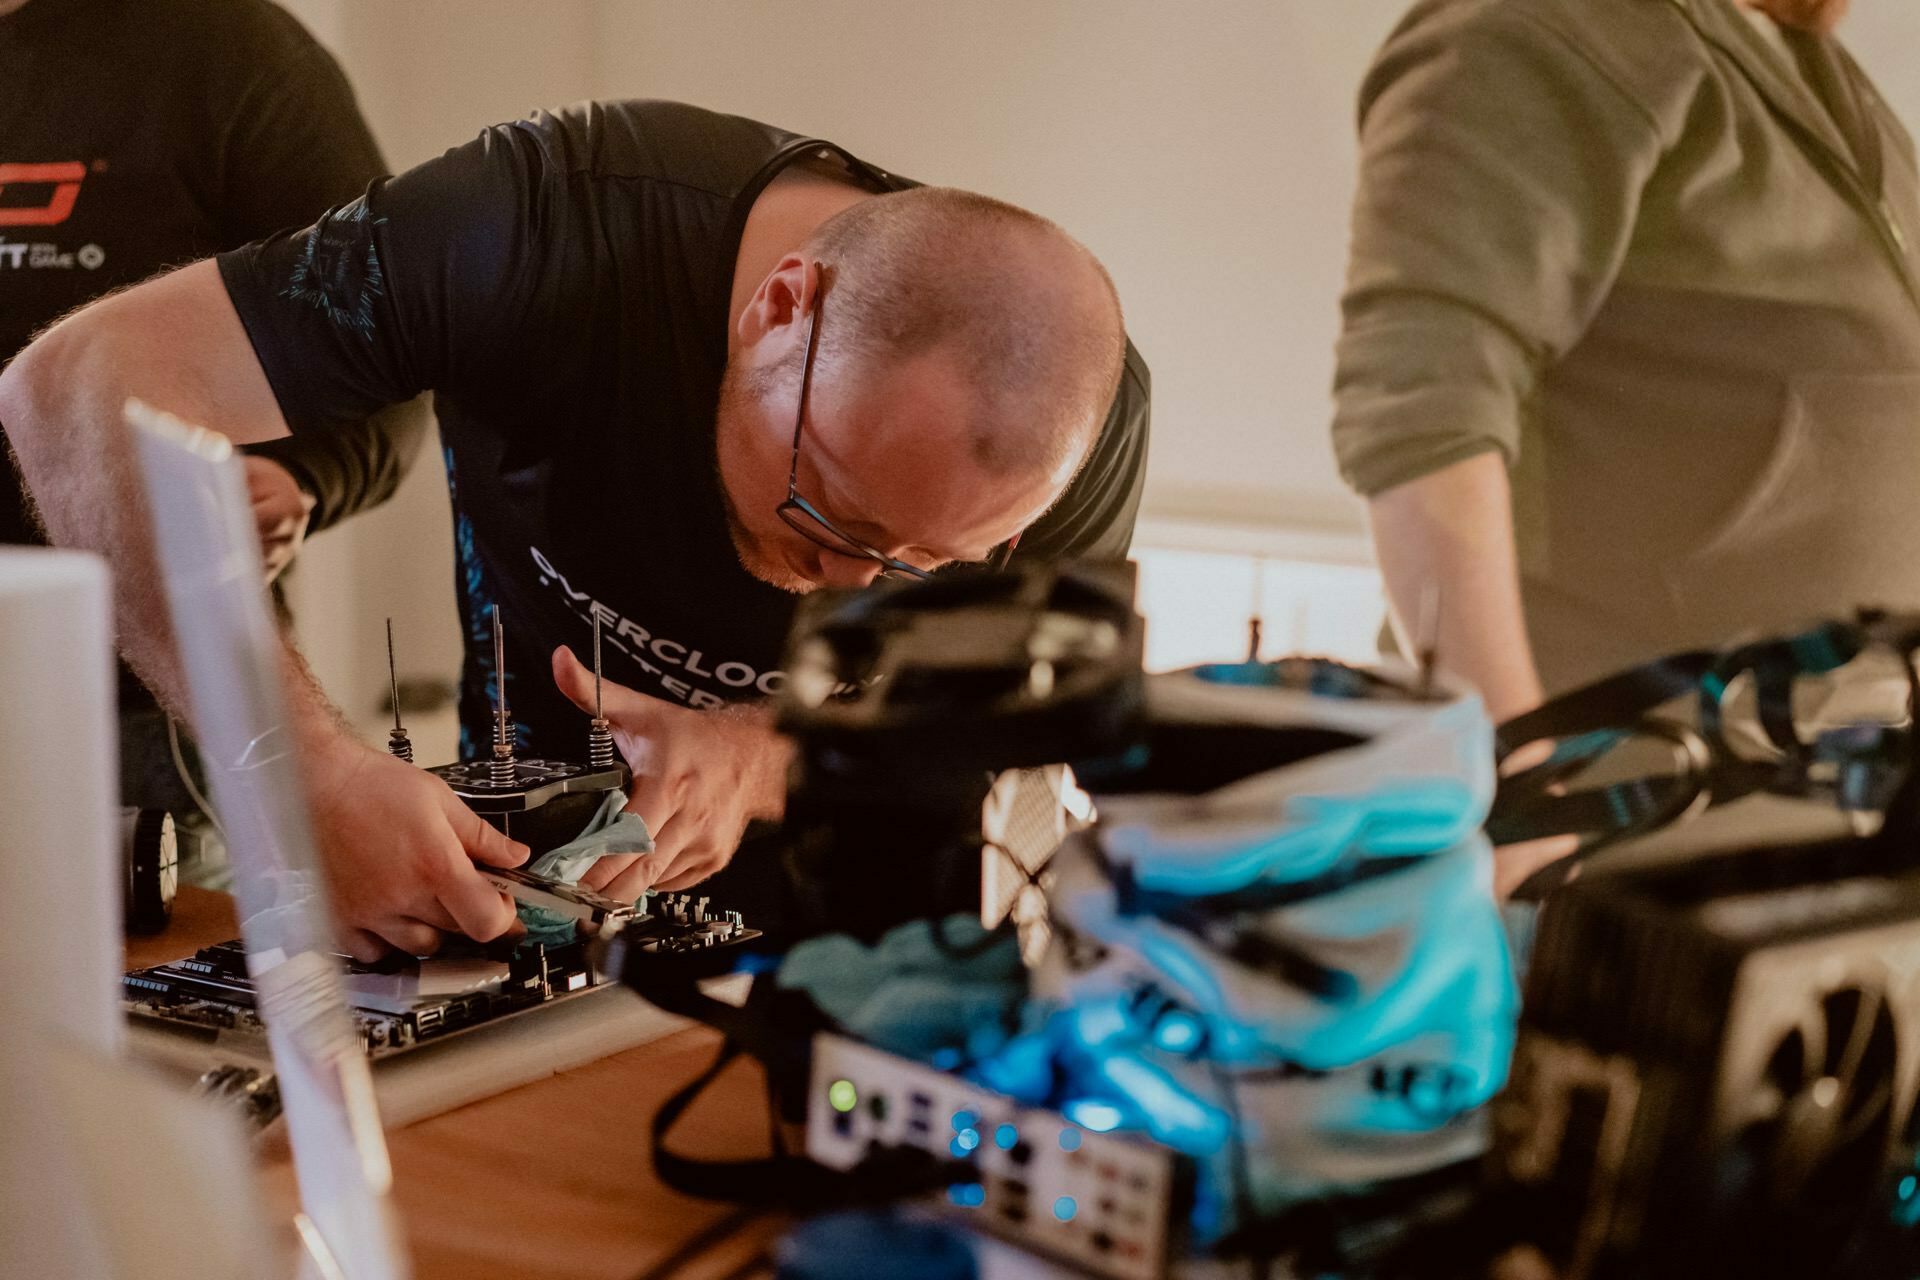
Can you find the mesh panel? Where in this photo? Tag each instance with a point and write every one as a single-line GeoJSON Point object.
{"type": "Point", "coordinates": [1026, 816]}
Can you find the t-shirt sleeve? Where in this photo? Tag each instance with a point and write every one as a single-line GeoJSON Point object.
{"type": "Point", "coordinates": [1500, 177]}
{"type": "Point", "coordinates": [433, 280]}
{"type": "Point", "coordinates": [354, 468]}
{"type": "Point", "coordinates": [296, 145]}
{"type": "Point", "coordinates": [1094, 519]}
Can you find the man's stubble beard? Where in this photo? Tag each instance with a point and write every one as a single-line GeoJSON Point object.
{"type": "Point", "coordinates": [739, 390]}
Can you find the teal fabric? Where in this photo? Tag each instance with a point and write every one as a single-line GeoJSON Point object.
{"type": "Point", "coordinates": [910, 994]}
{"type": "Point", "coordinates": [610, 831]}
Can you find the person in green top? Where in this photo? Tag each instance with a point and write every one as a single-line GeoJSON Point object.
{"type": "Point", "coordinates": [1630, 355]}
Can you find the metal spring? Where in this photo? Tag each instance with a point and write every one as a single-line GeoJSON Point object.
{"type": "Point", "coordinates": [500, 770]}
{"type": "Point", "coordinates": [399, 746]}
{"type": "Point", "coordinates": [600, 752]}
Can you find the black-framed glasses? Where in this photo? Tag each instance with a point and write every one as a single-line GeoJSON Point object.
{"type": "Point", "coordinates": [806, 520]}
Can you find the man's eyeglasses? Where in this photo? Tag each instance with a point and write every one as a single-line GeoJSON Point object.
{"type": "Point", "coordinates": [805, 519]}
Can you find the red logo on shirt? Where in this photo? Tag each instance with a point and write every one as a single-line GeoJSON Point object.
{"type": "Point", "coordinates": [65, 179]}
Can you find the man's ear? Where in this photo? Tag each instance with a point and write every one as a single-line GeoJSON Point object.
{"type": "Point", "coordinates": [783, 301]}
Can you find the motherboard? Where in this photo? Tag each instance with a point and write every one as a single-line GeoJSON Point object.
{"type": "Point", "coordinates": [402, 1005]}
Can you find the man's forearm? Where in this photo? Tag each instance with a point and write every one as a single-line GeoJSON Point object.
{"type": "Point", "coordinates": [61, 403]}
{"type": "Point", "coordinates": [1446, 551]}
{"type": "Point", "coordinates": [61, 408]}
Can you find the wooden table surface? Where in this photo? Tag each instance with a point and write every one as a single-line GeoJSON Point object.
{"type": "Point", "coordinates": [552, 1179]}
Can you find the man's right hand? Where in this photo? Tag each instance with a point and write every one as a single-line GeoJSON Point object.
{"type": "Point", "coordinates": [399, 849]}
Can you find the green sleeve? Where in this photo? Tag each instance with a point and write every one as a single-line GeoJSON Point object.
{"type": "Point", "coordinates": [1501, 166]}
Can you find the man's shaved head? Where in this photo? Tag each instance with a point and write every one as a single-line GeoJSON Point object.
{"type": "Point", "coordinates": [1029, 316]}
{"type": "Point", "coordinates": [966, 354]}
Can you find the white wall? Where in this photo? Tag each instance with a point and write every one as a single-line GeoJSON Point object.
{"type": "Point", "coordinates": [1885, 36]}
{"type": "Point", "coordinates": [1203, 151]}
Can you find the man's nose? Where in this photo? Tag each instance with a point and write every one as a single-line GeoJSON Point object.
{"type": "Point", "coordinates": [846, 572]}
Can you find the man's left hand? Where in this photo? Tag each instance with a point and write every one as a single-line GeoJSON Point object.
{"type": "Point", "coordinates": [698, 778]}
{"type": "Point", "coordinates": [280, 512]}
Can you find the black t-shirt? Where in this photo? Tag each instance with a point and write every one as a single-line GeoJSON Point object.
{"type": "Point", "coordinates": [137, 135]}
{"type": "Point", "coordinates": [562, 285]}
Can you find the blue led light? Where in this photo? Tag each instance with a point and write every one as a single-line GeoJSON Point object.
{"type": "Point", "coordinates": [1909, 1185]}
{"type": "Point", "coordinates": [964, 1120]}
{"type": "Point", "coordinates": [1101, 1117]}
{"type": "Point", "coordinates": [967, 1139]}
{"type": "Point", "coordinates": [968, 1195]}
{"type": "Point", "coordinates": [1005, 1136]}
{"type": "Point", "coordinates": [1069, 1139]}
{"type": "Point", "coordinates": [1064, 1208]}
{"type": "Point", "coordinates": [1178, 1032]}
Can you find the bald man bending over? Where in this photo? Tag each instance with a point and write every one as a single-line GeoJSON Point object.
{"type": "Point", "coordinates": [629, 312]}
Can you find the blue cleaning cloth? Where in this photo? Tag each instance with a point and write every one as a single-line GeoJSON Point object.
{"type": "Point", "coordinates": [609, 831]}
{"type": "Point", "coordinates": [915, 994]}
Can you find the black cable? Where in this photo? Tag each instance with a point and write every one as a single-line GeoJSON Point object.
{"type": "Point", "coordinates": [945, 865]}
{"type": "Point", "coordinates": [1259, 1259]}
{"type": "Point", "coordinates": [707, 1238]}
{"type": "Point", "coordinates": [776, 1139]}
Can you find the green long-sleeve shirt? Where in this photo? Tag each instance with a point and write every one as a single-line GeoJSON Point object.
{"type": "Point", "coordinates": [1670, 276]}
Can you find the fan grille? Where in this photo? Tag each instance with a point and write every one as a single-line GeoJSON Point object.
{"type": "Point", "coordinates": [1806, 1168]}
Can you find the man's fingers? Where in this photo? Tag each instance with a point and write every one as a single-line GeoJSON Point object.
{"type": "Point", "coordinates": [410, 936]}
{"type": "Point", "coordinates": [575, 680]}
{"type": "Point", "coordinates": [669, 842]}
{"type": "Point", "coordinates": [362, 946]}
{"type": "Point", "coordinates": [690, 873]}
{"type": "Point", "coordinates": [482, 841]}
{"type": "Point", "coordinates": [433, 914]}
{"type": "Point", "coordinates": [601, 873]}
{"type": "Point", "coordinates": [482, 911]}
{"type": "Point", "coordinates": [638, 878]}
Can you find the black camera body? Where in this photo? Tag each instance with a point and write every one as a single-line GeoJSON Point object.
{"type": "Point", "coordinates": [907, 700]}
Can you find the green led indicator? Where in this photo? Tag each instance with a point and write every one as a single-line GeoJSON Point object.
{"type": "Point", "coordinates": [842, 1096]}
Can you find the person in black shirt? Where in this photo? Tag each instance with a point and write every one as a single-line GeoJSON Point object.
{"type": "Point", "coordinates": [241, 125]}
{"type": "Point", "coordinates": [618, 307]}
